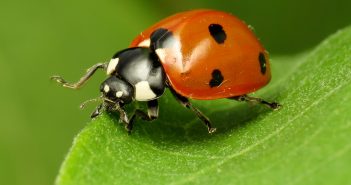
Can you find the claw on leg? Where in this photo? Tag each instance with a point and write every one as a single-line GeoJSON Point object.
{"type": "Point", "coordinates": [272, 105]}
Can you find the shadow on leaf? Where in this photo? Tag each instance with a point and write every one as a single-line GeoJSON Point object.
{"type": "Point", "coordinates": [179, 126]}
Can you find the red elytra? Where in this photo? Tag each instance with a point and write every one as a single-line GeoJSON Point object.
{"type": "Point", "coordinates": [203, 54]}
{"type": "Point", "coordinates": [230, 61]}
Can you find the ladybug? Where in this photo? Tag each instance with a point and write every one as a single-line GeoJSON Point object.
{"type": "Point", "coordinates": [199, 54]}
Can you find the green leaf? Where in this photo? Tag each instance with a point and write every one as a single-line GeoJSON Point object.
{"type": "Point", "coordinates": [306, 142]}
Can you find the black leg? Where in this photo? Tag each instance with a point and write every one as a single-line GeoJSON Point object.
{"type": "Point", "coordinates": [97, 111]}
{"type": "Point", "coordinates": [152, 109]}
{"type": "Point", "coordinates": [123, 116]}
{"type": "Point", "coordinates": [152, 114]}
{"type": "Point", "coordinates": [122, 113]}
{"type": "Point", "coordinates": [272, 105]}
{"type": "Point", "coordinates": [82, 80]}
{"type": "Point", "coordinates": [185, 102]}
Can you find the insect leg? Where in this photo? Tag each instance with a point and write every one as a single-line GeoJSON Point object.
{"type": "Point", "coordinates": [97, 111]}
{"type": "Point", "coordinates": [82, 80]}
{"type": "Point", "coordinates": [185, 102]}
{"type": "Point", "coordinates": [246, 98]}
{"type": "Point", "coordinates": [152, 114]}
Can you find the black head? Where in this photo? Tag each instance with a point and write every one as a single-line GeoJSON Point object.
{"type": "Point", "coordinates": [117, 90]}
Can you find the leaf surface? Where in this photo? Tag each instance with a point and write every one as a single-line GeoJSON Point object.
{"type": "Point", "coordinates": [306, 142]}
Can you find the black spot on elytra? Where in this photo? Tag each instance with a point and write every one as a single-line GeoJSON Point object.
{"type": "Point", "coordinates": [262, 60]}
{"type": "Point", "coordinates": [159, 37]}
{"type": "Point", "coordinates": [217, 78]}
{"type": "Point", "coordinates": [217, 33]}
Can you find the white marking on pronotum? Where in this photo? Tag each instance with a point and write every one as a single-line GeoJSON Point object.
{"type": "Point", "coordinates": [119, 94]}
{"type": "Point", "coordinates": [106, 88]}
{"type": "Point", "coordinates": [145, 43]}
{"type": "Point", "coordinates": [112, 65]}
{"type": "Point", "coordinates": [172, 53]}
{"type": "Point", "coordinates": [161, 53]}
{"type": "Point", "coordinates": [143, 92]}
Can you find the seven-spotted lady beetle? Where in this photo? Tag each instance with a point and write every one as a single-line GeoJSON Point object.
{"type": "Point", "coordinates": [199, 54]}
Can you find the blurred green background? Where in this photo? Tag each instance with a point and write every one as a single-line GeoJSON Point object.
{"type": "Point", "coordinates": [40, 38]}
